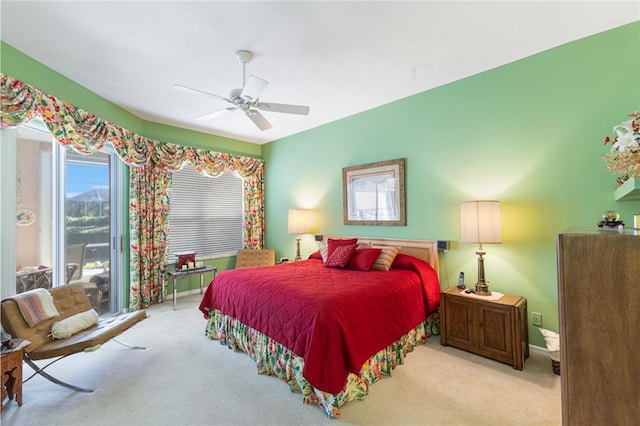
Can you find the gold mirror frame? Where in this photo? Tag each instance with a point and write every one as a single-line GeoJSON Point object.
{"type": "Point", "coordinates": [373, 194]}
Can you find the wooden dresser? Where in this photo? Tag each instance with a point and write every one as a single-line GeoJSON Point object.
{"type": "Point", "coordinates": [496, 329]}
{"type": "Point", "coordinates": [599, 307]}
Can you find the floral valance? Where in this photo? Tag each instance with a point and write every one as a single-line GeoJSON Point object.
{"type": "Point", "coordinates": [87, 133]}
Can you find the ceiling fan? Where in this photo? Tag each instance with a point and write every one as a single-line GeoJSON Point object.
{"type": "Point", "coordinates": [247, 99]}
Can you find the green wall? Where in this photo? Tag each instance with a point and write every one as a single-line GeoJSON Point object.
{"type": "Point", "coordinates": [528, 134]}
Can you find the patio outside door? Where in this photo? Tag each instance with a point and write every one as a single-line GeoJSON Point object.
{"type": "Point", "coordinates": [87, 225]}
{"type": "Point", "coordinates": [64, 230]}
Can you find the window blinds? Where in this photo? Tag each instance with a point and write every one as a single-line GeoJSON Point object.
{"type": "Point", "coordinates": [205, 214]}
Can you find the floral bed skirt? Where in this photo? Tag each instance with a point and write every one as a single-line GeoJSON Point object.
{"type": "Point", "coordinates": [274, 359]}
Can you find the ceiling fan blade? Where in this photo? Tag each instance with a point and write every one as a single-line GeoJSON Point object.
{"type": "Point", "coordinates": [253, 88]}
{"type": "Point", "coordinates": [217, 113]}
{"type": "Point", "coordinates": [258, 119]}
{"type": "Point", "coordinates": [285, 108]}
{"type": "Point", "coordinates": [186, 89]}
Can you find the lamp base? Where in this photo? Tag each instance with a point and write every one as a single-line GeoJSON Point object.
{"type": "Point", "coordinates": [482, 290]}
{"type": "Point", "coordinates": [297, 250]}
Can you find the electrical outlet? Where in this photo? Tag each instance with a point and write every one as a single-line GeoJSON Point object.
{"type": "Point", "coordinates": [536, 318]}
{"type": "Point", "coordinates": [443, 245]}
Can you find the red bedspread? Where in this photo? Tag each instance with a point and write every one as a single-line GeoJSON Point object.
{"type": "Point", "coordinates": [335, 319]}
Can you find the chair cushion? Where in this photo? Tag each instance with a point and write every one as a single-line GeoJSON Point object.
{"type": "Point", "coordinates": [71, 325]}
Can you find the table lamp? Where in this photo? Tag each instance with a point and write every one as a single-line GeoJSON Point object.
{"type": "Point", "coordinates": [480, 223]}
{"type": "Point", "coordinates": [299, 221]}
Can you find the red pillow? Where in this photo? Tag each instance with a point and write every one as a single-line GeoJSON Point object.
{"type": "Point", "coordinates": [363, 259]}
{"type": "Point", "coordinates": [332, 243]}
{"type": "Point", "coordinates": [340, 256]}
{"type": "Point", "coordinates": [315, 255]}
{"type": "Point", "coordinates": [402, 261]}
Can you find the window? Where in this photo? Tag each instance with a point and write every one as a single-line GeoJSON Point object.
{"type": "Point", "coordinates": [205, 214]}
{"type": "Point", "coordinates": [60, 229]}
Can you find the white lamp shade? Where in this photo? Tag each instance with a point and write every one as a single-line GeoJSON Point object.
{"type": "Point", "coordinates": [480, 222]}
{"type": "Point", "coordinates": [299, 221]}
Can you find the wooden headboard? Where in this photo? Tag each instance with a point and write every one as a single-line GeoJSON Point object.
{"type": "Point", "coordinates": [426, 250]}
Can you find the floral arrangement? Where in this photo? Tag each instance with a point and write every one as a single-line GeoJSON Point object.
{"type": "Point", "coordinates": [624, 157]}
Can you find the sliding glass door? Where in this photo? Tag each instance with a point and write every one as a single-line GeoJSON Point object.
{"type": "Point", "coordinates": [87, 224]}
{"type": "Point", "coordinates": [64, 229]}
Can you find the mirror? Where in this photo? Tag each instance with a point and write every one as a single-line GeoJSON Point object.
{"type": "Point", "coordinates": [373, 194]}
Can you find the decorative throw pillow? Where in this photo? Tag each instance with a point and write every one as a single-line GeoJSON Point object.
{"type": "Point", "coordinates": [332, 243]}
{"type": "Point", "coordinates": [324, 252]}
{"type": "Point", "coordinates": [340, 256]}
{"type": "Point", "coordinates": [316, 255]}
{"type": "Point", "coordinates": [363, 259]}
{"type": "Point", "coordinates": [71, 325]}
{"type": "Point", "coordinates": [403, 261]}
{"type": "Point", "coordinates": [385, 259]}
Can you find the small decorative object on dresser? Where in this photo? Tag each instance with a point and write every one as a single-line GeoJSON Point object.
{"type": "Point", "coordinates": [610, 219]}
{"type": "Point", "coordinates": [496, 329]}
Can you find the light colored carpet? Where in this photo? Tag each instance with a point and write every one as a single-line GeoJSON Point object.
{"type": "Point", "coordinates": [183, 378]}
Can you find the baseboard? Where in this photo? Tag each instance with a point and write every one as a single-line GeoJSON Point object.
{"type": "Point", "coordinates": [538, 349]}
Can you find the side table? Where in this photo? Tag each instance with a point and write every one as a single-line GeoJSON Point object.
{"type": "Point", "coordinates": [496, 329]}
{"type": "Point", "coordinates": [179, 273]}
{"type": "Point", "coordinates": [12, 375]}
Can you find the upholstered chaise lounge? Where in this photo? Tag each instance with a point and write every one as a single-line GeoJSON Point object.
{"type": "Point", "coordinates": [69, 300]}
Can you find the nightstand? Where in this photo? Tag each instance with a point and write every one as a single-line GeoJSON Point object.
{"type": "Point", "coordinates": [496, 329]}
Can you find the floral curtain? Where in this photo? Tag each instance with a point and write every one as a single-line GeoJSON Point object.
{"type": "Point", "coordinates": [150, 198]}
{"type": "Point", "coordinates": [151, 162]}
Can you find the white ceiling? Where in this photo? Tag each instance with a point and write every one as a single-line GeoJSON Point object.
{"type": "Point", "coordinates": [339, 57]}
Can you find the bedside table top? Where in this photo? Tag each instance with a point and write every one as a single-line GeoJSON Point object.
{"type": "Point", "coordinates": [506, 299]}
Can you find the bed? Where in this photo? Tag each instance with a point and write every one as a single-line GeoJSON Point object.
{"type": "Point", "coordinates": [330, 330]}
